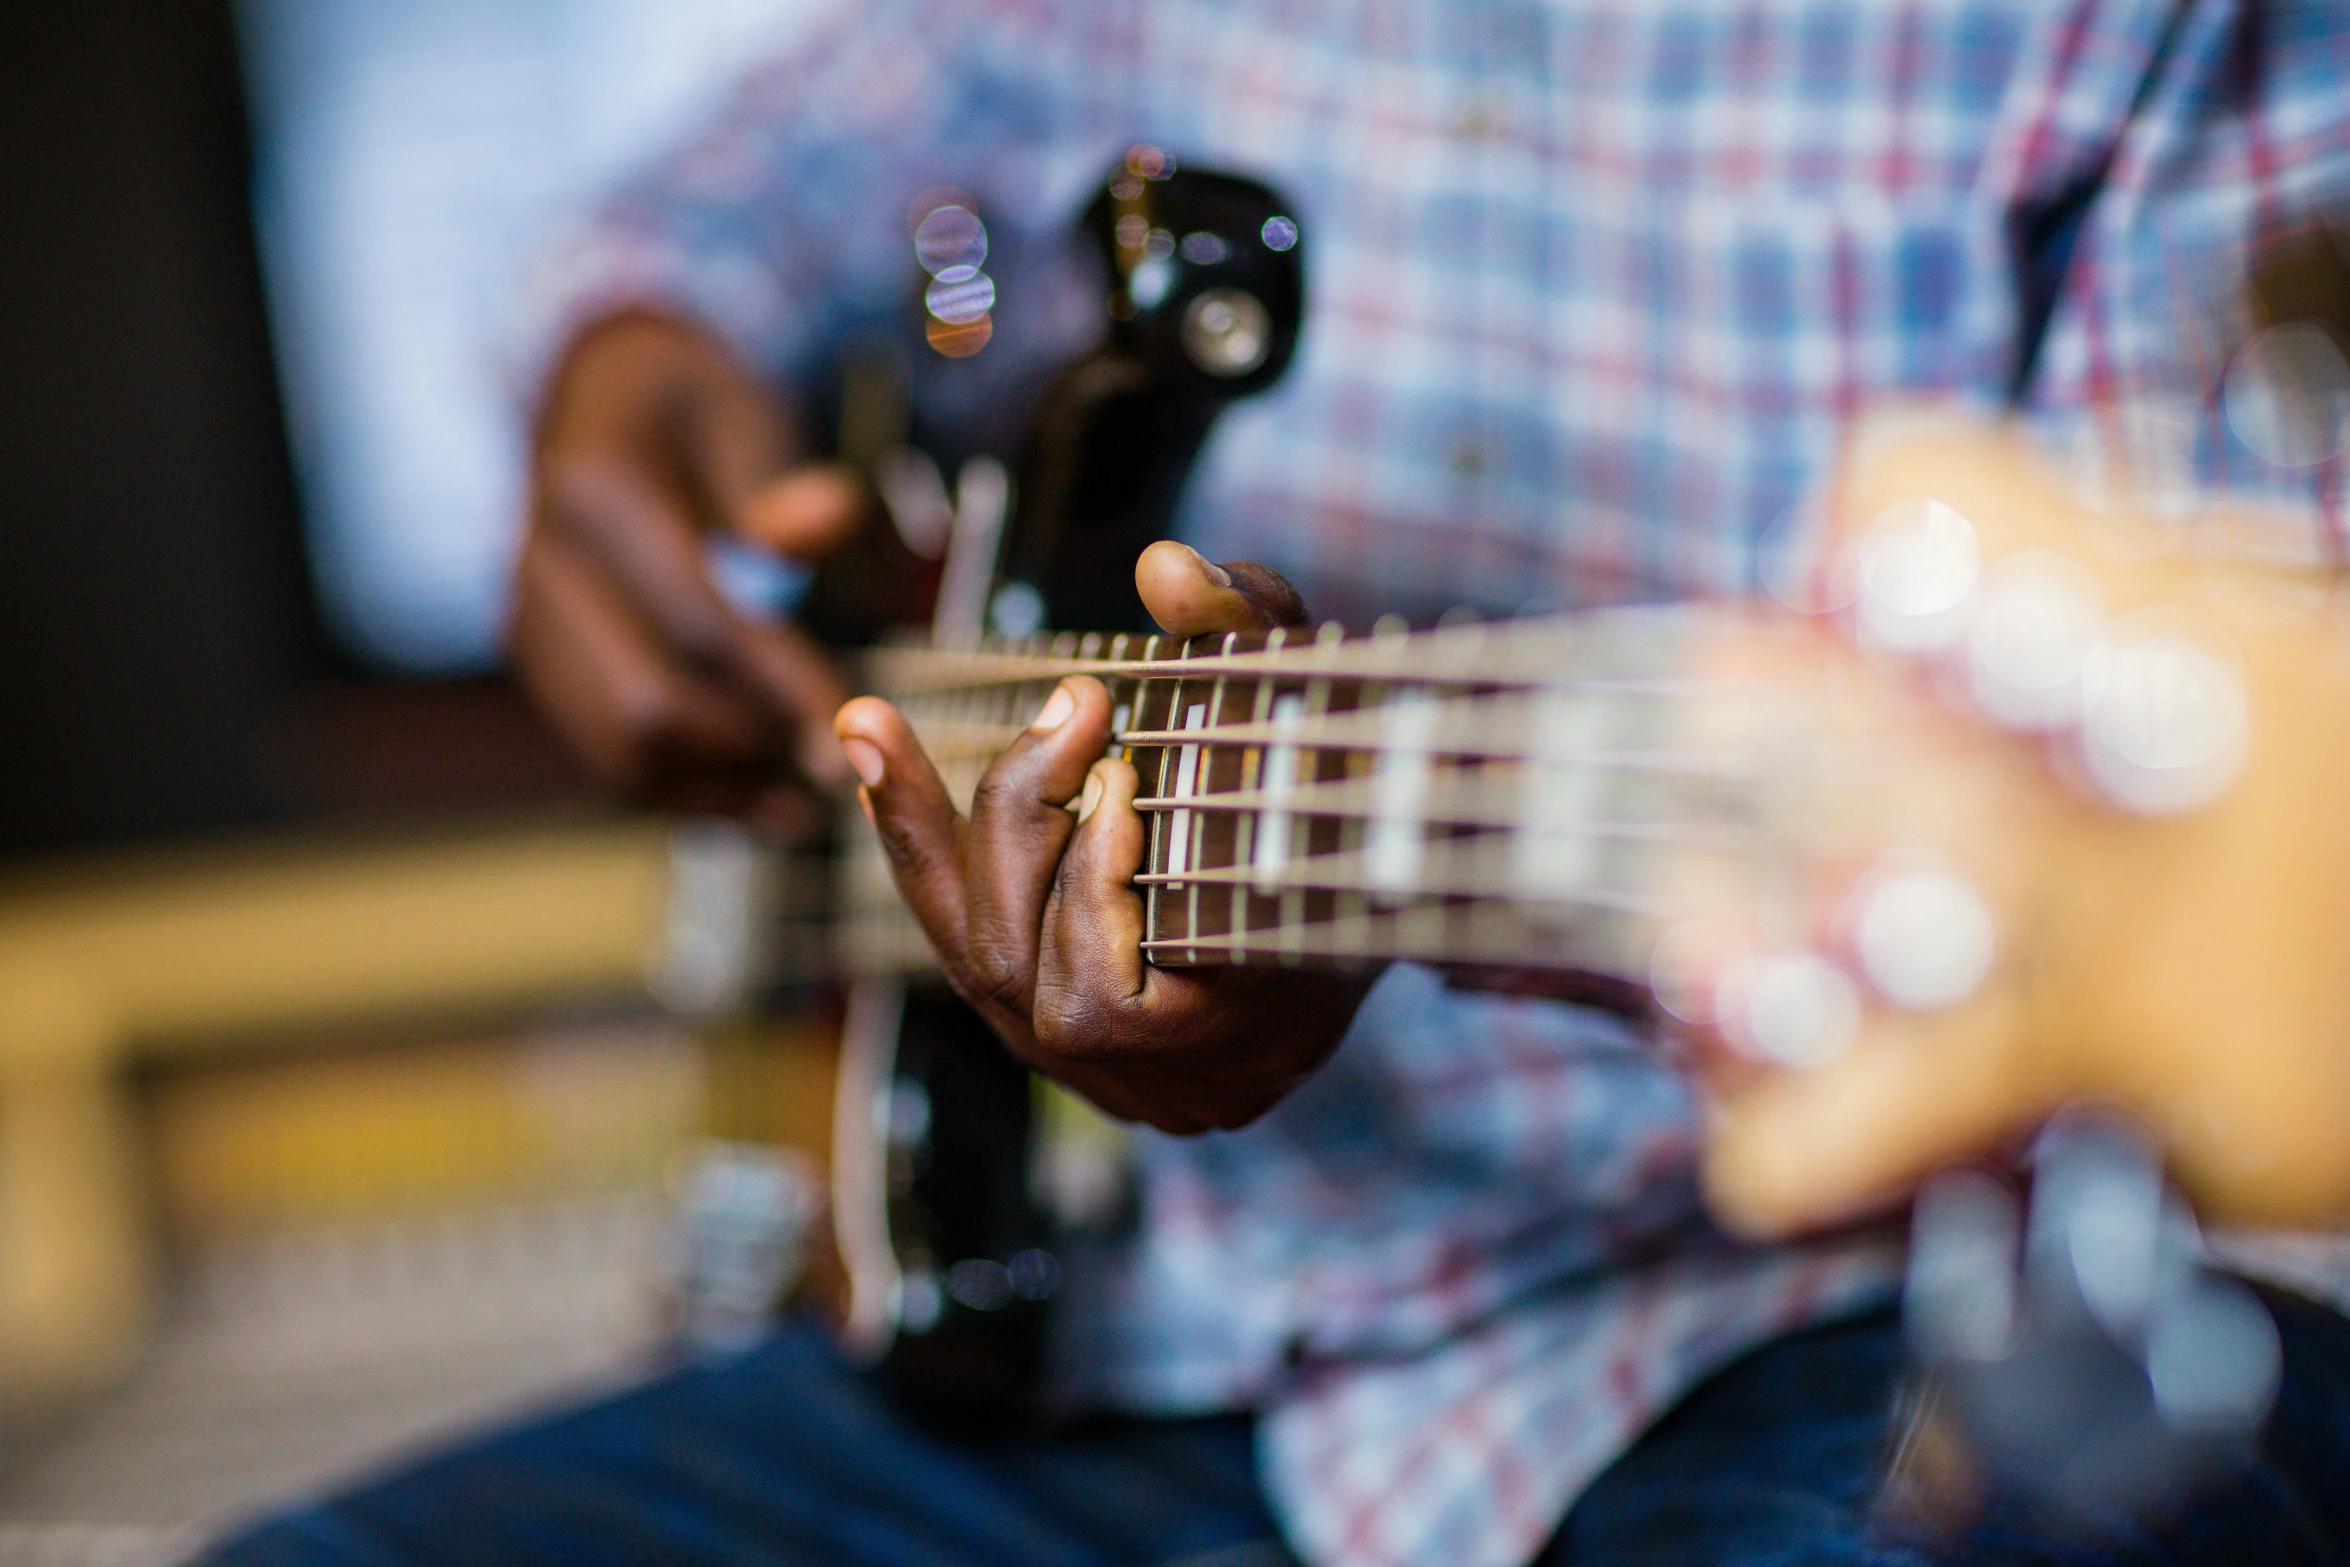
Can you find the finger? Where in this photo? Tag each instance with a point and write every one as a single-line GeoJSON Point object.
{"type": "Point", "coordinates": [641, 721]}
{"type": "Point", "coordinates": [914, 816]}
{"type": "Point", "coordinates": [1189, 597]}
{"type": "Point", "coordinates": [651, 553]}
{"type": "Point", "coordinates": [729, 438]}
{"type": "Point", "coordinates": [806, 513]}
{"type": "Point", "coordinates": [734, 454]}
{"type": "Point", "coordinates": [735, 445]}
{"type": "Point", "coordinates": [797, 676]}
{"type": "Point", "coordinates": [1793, 1150]}
{"type": "Point", "coordinates": [736, 448]}
{"type": "Point", "coordinates": [1018, 830]}
{"type": "Point", "coordinates": [1091, 963]}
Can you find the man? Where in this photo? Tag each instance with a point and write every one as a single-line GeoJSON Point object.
{"type": "Point", "coordinates": [1596, 289]}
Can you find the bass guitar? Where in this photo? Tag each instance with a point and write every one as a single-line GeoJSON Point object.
{"type": "Point", "coordinates": [2039, 815]}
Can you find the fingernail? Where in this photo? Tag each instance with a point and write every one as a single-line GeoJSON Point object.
{"type": "Point", "coordinates": [1215, 573]}
{"type": "Point", "coordinates": [865, 757]}
{"type": "Point", "coordinates": [1056, 711]}
{"type": "Point", "coordinates": [1092, 796]}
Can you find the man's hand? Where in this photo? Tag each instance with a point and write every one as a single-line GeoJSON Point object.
{"type": "Point", "coordinates": [651, 440]}
{"type": "Point", "coordinates": [1033, 911]}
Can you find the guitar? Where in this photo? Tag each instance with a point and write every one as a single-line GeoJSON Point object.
{"type": "Point", "coordinates": [2040, 816]}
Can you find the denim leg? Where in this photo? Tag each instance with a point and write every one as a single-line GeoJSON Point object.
{"type": "Point", "coordinates": [1776, 1461]}
{"type": "Point", "coordinates": [788, 1456]}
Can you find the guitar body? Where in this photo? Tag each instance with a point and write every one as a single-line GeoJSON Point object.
{"type": "Point", "coordinates": [945, 1135]}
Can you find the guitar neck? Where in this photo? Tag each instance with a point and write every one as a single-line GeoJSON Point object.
{"type": "Point", "coordinates": [1515, 794]}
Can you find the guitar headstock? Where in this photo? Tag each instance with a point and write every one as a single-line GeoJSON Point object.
{"type": "Point", "coordinates": [2106, 860]}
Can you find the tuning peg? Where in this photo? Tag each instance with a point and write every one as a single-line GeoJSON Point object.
{"type": "Point", "coordinates": [1227, 332]}
{"type": "Point", "coordinates": [1793, 1009]}
{"type": "Point", "coordinates": [2160, 721]}
{"type": "Point", "coordinates": [2164, 722]}
{"type": "Point", "coordinates": [2038, 617]}
{"type": "Point", "coordinates": [1925, 938]}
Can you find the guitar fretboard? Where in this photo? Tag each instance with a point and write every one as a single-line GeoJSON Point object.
{"type": "Point", "coordinates": [1514, 794]}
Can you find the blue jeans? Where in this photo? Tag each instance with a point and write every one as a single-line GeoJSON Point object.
{"type": "Point", "coordinates": [788, 1456]}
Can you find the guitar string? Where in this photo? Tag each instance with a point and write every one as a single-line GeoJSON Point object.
{"type": "Point", "coordinates": [1012, 683]}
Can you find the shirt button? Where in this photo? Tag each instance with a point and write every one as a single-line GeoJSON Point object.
{"type": "Point", "coordinates": [1468, 460]}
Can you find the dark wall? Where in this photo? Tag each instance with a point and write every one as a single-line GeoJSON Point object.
{"type": "Point", "coordinates": [153, 609]}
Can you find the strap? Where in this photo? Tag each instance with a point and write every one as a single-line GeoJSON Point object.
{"type": "Point", "coordinates": [2043, 235]}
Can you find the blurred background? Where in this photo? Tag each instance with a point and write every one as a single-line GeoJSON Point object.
{"type": "Point", "coordinates": [334, 1109]}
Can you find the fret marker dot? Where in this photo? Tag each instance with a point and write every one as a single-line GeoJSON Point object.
{"type": "Point", "coordinates": [2164, 723]}
{"type": "Point", "coordinates": [2038, 618]}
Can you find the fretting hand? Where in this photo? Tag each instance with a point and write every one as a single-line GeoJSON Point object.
{"type": "Point", "coordinates": [1034, 914]}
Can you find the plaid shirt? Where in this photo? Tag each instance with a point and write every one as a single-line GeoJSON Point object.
{"type": "Point", "coordinates": [1594, 288]}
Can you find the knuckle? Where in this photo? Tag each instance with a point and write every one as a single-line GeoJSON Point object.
{"type": "Point", "coordinates": [996, 974]}
{"type": "Point", "coordinates": [646, 724]}
{"type": "Point", "coordinates": [1268, 593]}
{"type": "Point", "coordinates": [1069, 1024]}
{"type": "Point", "coordinates": [913, 859]}
{"type": "Point", "coordinates": [576, 488]}
{"type": "Point", "coordinates": [998, 789]}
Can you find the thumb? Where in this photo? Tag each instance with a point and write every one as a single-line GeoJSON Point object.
{"type": "Point", "coordinates": [737, 442]}
{"type": "Point", "coordinates": [806, 513]}
{"type": "Point", "coordinates": [1189, 597]}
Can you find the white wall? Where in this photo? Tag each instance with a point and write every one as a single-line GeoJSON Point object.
{"type": "Point", "coordinates": [412, 155]}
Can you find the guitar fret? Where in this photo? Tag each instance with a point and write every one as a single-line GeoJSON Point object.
{"type": "Point", "coordinates": [1221, 828]}
{"type": "Point", "coordinates": [1449, 875]}
{"type": "Point", "coordinates": [1711, 836]}
{"type": "Point", "coordinates": [1453, 798]}
{"type": "Point", "coordinates": [1186, 785]}
{"type": "Point", "coordinates": [1491, 724]}
{"type": "Point", "coordinates": [1249, 829]}
{"type": "Point", "coordinates": [1296, 901]}
{"type": "Point", "coordinates": [1153, 700]}
{"type": "Point", "coordinates": [1599, 940]}
{"type": "Point", "coordinates": [1179, 845]}
{"type": "Point", "coordinates": [1346, 909]}
{"type": "Point", "coordinates": [1629, 645]}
